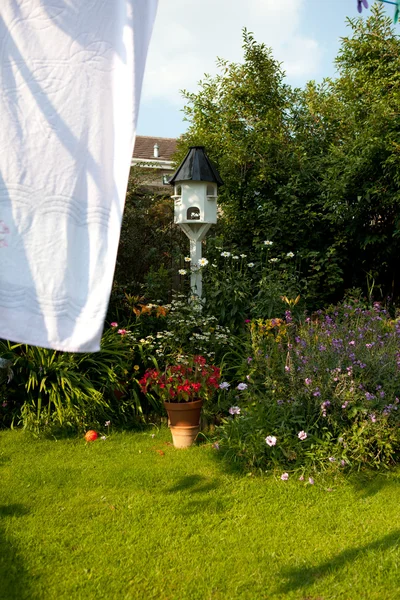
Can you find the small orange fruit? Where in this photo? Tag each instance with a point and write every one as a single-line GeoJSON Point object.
{"type": "Point", "coordinates": [91, 435]}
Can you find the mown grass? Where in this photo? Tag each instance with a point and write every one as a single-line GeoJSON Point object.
{"type": "Point", "coordinates": [131, 517]}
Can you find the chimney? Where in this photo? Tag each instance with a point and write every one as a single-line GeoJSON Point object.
{"type": "Point", "coordinates": [156, 149]}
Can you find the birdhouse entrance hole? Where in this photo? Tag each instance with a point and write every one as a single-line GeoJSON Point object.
{"type": "Point", "coordinates": [193, 214]}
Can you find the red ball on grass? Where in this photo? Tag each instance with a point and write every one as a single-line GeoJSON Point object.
{"type": "Point", "coordinates": [91, 435]}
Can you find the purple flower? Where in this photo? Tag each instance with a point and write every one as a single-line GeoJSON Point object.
{"type": "Point", "coordinates": [224, 385]}
{"type": "Point", "coordinates": [270, 440]}
{"type": "Point", "coordinates": [285, 476]}
{"type": "Point", "coordinates": [287, 368]}
{"type": "Point", "coordinates": [332, 459]}
{"type": "Point", "coordinates": [301, 478]}
{"type": "Point", "coordinates": [308, 381]}
{"type": "Point", "coordinates": [242, 386]}
{"type": "Point", "coordinates": [352, 343]}
{"type": "Point", "coordinates": [343, 463]}
{"type": "Point", "coordinates": [311, 481]}
{"type": "Point", "coordinates": [369, 396]}
{"type": "Point", "coordinates": [317, 392]}
{"type": "Point", "coordinates": [249, 359]}
{"type": "Point", "coordinates": [234, 410]}
{"type": "Point", "coordinates": [372, 417]}
{"type": "Point", "coordinates": [345, 404]}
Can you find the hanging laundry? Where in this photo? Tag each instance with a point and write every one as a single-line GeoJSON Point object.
{"type": "Point", "coordinates": [70, 81]}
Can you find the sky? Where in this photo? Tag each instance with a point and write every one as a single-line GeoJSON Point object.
{"type": "Point", "coordinates": [189, 35]}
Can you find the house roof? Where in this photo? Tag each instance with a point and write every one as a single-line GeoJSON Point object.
{"type": "Point", "coordinates": [196, 166]}
{"type": "Point", "coordinates": [144, 147]}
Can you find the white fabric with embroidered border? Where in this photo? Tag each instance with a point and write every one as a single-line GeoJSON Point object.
{"type": "Point", "coordinates": [70, 80]}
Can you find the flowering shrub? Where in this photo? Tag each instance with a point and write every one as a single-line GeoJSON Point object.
{"type": "Point", "coordinates": [192, 379]}
{"type": "Point", "coordinates": [238, 285]}
{"type": "Point", "coordinates": [183, 330]}
{"type": "Point", "coordinates": [326, 392]}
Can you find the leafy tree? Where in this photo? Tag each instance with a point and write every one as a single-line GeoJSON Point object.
{"type": "Point", "coordinates": [314, 169]}
{"type": "Point", "coordinates": [362, 174]}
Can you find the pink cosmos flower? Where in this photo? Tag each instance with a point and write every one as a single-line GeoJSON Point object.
{"type": "Point", "coordinates": [270, 440]}
{"type": "Point", "coordinates": [114, 324]}
{"type": "Point", "coordinates": [311, 481]}
{"type": "Point", "coordinates": [122, 331]}
{"type": "Point", "coordinates": [302, 435]}
{"type": "Point", "coordinates": [285, 476]}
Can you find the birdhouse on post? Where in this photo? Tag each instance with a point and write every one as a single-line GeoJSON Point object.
{"type": "Point", "coordinates": [196, 183]}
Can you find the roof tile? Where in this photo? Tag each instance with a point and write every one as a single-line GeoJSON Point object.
{"type": "Point", "coordinates": [144, 147]}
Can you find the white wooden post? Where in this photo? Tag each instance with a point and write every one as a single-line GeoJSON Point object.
{"type": "Point", "coordinates": [196, 279]}
{"type": "Point", "coordinates": [196, 234]}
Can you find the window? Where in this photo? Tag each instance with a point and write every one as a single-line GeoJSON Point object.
{"type": "Point", "coordinates": [165, 179]}
{"type": "Point", "coordinates": [193, 214]}
{"type": "Point", "coordinates": [211, 190]}
{"type": "Point", "coordinates": [178, 190]}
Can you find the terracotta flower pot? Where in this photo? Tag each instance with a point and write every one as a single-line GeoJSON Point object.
{"type": "Point", "coordinates": [184, 421]}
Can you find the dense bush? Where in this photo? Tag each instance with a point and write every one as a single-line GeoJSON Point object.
{"type": "Point", "coordinates": [317, 395]}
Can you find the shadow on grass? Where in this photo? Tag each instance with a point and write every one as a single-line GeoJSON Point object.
{"type": "Point", "coordinates": [303, 577]}
{"type": "Point", "coordinates": [4, 460]}
{"type": "Point", "coordinates": [14, 581]}
{"type": "Point", "coordinates": [196, 484]}
{"type": "Point", "coordinates": [368, 484]}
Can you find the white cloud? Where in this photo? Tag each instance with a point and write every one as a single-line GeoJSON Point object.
{"type": "Point", "coordinates": [188, 36]}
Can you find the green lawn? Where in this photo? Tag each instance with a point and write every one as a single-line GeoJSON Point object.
{"type": "Point", "coordinates": [131, 517]}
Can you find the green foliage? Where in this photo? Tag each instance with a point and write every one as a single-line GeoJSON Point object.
{"type": "Point", "coordinates": [315, 170]}
{"type": "Point", "coordinates": [58, 390]}
{"type": "Point", "coordinates": [239, 285]}
{"type": "Point", "coordinates": [150, 243]}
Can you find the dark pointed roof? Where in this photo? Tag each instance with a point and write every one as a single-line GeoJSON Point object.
{"type": "Point", "coordinates": [196, 166]}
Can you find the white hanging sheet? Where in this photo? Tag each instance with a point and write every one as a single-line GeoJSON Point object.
{"type": "Point", "coordinates": [70, 81]}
